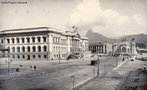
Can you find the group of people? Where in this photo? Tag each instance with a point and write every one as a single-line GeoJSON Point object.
{"type": "Point", "coordinates": [33, 68]}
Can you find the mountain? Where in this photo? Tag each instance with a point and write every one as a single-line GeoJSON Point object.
{"type": "Point", "coordinates": [138, 38]}
{"type": "Point", "coordinates": [96, 37]}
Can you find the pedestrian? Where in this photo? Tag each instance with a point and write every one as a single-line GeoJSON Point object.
{"type": "Point", "coordinates": [20, 65]}
{"type": "Point", "coordinates": [31, 68]}
{"type": "Point", "coordinates": [17, 69]}
{"type": "Point", "coordinates": [144, 67]}
{"type": "Point", "coordinates": [123, 59]}
{"type": "Point", "coordinates": [35, 67]}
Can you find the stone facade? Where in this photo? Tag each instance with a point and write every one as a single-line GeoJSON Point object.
{"type": "Point", "coordinates": [41, 43]}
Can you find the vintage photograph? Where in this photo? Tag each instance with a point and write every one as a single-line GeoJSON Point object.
{"type": "Point", "coordinates": [73, 44]}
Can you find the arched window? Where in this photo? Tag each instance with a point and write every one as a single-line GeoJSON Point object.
{"type": "Point", "coordinates": [34, 49]}
{"type": "Point", "coordinates": [13, 49]}
{"type": "Point", "coordinates": [18, 49]}
{"type": "Point", "coordinates": [44, 48]}
{"type": "Point", "coordinates": [28, 48]}
{"type": "Point", "coordinates": [39, 48]}
{"type": "Point", "coordinates": [124, 49]}
{"type": "Point", "coordinates": [23, 49]}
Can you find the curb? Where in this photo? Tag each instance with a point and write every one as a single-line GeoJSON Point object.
{"type": "Point", "coordinates": [82, 83]}
{"type": "Point", "coordinates": [92, 78]}
{"type": "Point", "coordinates": [121, 64]}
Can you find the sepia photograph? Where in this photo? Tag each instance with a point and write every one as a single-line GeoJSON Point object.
{"type": "Point", "coordinates": [73, 44]}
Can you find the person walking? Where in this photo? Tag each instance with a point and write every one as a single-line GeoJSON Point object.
{"type": "Point", "coordinates": [35, 67]}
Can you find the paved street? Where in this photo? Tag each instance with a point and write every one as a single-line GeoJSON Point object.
{"type": "Point", "coordinates": [52, 76]}
{"type": "Point", "coordinates": [116, 79]}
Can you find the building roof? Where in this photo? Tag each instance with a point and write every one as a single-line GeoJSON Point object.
{"type": "Point", "coordinates": [23, 30]}
{"type": "Point", "coordinates": [41, 29]}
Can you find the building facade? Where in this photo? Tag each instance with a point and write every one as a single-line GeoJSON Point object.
{"type": "Point", "coordinates": [41, 43]}
{"type": "Point", "coordinates": [101, 48]}
{"type": "Point", "coordinates": [124, 48]}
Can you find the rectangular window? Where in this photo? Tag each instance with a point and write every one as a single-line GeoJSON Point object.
{"type": "Point", "coordinates": [23, 40]}
{"type": "Point", "coordinates": [13, 40]}
{"type": "Point", "coordinates": [44, 56]}
{"type": "Point", "coordinates": [2, 41]}
{"type": "Point", "coordinates": [28, 40]}
{"type": "Point", "coordinates": [38, 39]}
{"type": "Point", "coordinates": [8, 40]}
{"type": "Point", "coordinates": [17, 40]}
{"type": "Point", "coordinates": [33, 39]}
{"type": "Point", "coordinates": [44, 39]}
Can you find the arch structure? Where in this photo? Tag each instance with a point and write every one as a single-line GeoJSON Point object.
{"type": "Point", "coordinates": [126, 48]}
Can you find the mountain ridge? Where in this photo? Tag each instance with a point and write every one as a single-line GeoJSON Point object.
{"type": "Point", "coordinates": [96, 38]}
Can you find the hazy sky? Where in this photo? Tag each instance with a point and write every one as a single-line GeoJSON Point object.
{"type": "Point", "coordinates": [112, 18]}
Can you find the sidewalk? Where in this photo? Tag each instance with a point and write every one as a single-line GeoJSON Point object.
{"type": "Point", "coordinates": [113, 79]}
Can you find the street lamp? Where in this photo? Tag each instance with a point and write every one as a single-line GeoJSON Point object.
{"type": "Point", "coordinates": [8, 62]}
{"type": "Point", "coordinates": [116, 60]}
{"type": "Point", "coordinates": [73, 81]}
{"type": "Point", "coordinates": [98, 65]}
{"type": "Point", "coordinates": [83, 53]}
{"type": "Point", "coordinates": [59, 56]}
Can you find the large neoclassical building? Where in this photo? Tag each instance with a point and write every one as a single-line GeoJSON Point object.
{"type": "Point", "coordinates": [42, 43]}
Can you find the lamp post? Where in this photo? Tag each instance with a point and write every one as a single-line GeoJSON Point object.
{"type": "Point", "coordinates": [116, 60]}
{"type": "Point", "coordinates": [98, 65]}
{"type": "Point", "coordinates": [83, 53]}
{"type": "Point", "coordinates": [8, 62]}
{"type": "Point", "coordinates": [59, 56]}
{"type": "Point", "coordinates": [73, 81]}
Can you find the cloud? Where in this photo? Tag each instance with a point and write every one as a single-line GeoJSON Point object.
{"type": "Point", "coordinates": [89, 15]}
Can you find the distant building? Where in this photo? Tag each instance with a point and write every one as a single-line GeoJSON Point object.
{"type": "Point", "coordinates": [124, 48]}
{"type": "Point", "coordinates": [101, 48]}
{"type": "Point", "coordinates": [42, 43]}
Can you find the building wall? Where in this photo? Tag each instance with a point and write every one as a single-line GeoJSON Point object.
{"type": "Point", "coordinates": [26, 46]}
{"type": "Point", "coordinates": [39, 45]}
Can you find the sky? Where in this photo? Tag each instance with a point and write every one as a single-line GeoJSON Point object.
{"type": "Point", "coordinates": [112, 18]}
